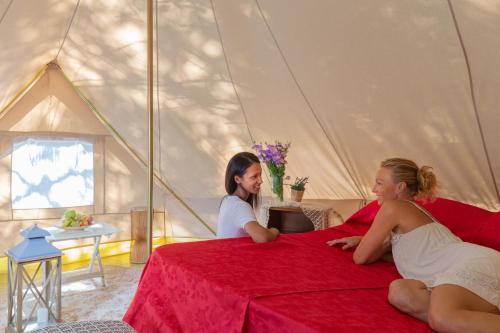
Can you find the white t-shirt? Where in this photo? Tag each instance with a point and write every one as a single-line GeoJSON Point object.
{"type": "Point", "coordinates": [234, 213]}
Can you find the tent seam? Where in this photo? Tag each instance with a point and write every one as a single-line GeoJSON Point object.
{"type": "Point", "coordinates": [228, 68]}
{"type": "Point", "coordinates": [308, 103]}
{"type": "Point", "coordinates": [226, 61]}
{"type": "Point", "coordinates": [473, 98]}
{"type": "Point", "coordinates": [69, 27]}
{"type": "Point", "coordinates": [5, 11]}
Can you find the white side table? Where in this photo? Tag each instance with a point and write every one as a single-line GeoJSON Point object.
{"type": "Point", "coordinates": [95, 231]}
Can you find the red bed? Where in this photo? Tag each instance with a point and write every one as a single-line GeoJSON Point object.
{"type": "Point", "coordinates": [295, 284]}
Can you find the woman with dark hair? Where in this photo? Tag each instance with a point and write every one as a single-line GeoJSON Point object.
{"type": "Point", "coordinates": [451, 284]}
{"type": "Point", "coordinates": [237, 209]}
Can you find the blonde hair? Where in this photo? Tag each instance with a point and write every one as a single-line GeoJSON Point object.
{"type": "Point", "coordinates": [421, 182]}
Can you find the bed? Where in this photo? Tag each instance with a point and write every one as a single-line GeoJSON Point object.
{"type": "Point", "coordinates": [294, 284]}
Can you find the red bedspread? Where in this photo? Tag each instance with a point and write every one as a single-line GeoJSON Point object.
{"type": "Point", "coordinates": [294, 284]}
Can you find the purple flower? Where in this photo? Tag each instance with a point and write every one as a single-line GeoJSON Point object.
{"type": "Point", "coordinates": [274, 156]}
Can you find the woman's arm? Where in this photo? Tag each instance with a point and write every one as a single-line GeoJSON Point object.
{"type": "Point", "coordinates": [260, 234]}
{"type": "Point", "coordinates": [377, 241]}
{"type": "Point", "coordinates": [353, 241]}
{"type": "Point", "coordinates": [371, 251]}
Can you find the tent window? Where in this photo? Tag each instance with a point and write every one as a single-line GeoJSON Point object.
{"type": "Point", "coordinates": [52, 173]}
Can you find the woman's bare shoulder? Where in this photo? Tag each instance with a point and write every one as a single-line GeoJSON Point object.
{"type": "Point", "coordinates": [406, 215]}
{"type": "Point", "coordinates": [396, 206]}
{"type": "Point", "coordinates": [399, 210]}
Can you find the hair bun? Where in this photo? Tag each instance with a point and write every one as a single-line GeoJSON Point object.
{"type": "Point", "coordinates": [427, 182]}
{"type": "Point", "coordinates": [420, 182]}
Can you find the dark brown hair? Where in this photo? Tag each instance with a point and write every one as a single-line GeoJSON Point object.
{"type": "Point", "coordinates": [238, 166]}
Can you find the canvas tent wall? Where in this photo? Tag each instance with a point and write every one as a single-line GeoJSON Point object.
{"type": "Point", "coordinates": [52, 110]}
{"type": "Point", "coordinates": [349, 83]}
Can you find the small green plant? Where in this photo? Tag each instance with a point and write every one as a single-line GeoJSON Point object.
{"type": "Point", "coordinates": [300, 183]}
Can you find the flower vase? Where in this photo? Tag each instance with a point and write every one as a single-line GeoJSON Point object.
{"type": "Point", "coordinates": [278, 186]}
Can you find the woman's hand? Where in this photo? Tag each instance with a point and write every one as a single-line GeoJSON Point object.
{"type": "Point", "coordinates": [346, 242]}
{"type": "Point", "coordinates": [260, 234]}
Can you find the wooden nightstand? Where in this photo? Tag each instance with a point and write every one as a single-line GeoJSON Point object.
{"type": "Point", "coordinates": [289, 220]}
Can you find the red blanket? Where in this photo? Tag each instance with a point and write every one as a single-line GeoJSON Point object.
{"type": "Point", "coordinates": [294, 284]}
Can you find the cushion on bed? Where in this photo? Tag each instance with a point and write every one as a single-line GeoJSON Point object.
{"type": "Point", "coordinates": [365, 215]}
{"type": "Point", "coordinates": [489, 234]}
{"type": "Point", "coordinates": [472, 224]}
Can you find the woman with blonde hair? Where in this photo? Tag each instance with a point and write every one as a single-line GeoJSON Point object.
{"type": "Point", "coordinates": [451, 284]}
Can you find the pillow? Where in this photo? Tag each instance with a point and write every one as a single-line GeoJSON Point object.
{"type": "Point", "coordinates": [489, 234]}
{"type": "Point", "coordinates": [462, 219]}
{"type": "Point", "coordinates": [359, 223]}
{"type": "Point", "coordinates": [470, 223]}
{"type": "Point", "coordinates": [365, 215]}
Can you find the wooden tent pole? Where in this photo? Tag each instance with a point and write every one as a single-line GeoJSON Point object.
{"type": "Point", "coordinates": [150, 124]}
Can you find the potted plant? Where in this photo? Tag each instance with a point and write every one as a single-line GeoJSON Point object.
{"type": "Point", "coordinates": [298, 188]}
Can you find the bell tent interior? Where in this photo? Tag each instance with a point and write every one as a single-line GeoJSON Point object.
{"type": "Point", "coordinates": [347, 83]}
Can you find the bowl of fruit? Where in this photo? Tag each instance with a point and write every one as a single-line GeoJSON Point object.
{"type": "Point", "coordinates": [73, 220]}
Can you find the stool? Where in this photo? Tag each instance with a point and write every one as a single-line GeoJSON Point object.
{"type": "Point", "coordinates": [139, 220]}
{"type": "Point", "coordinates": [139, 249]}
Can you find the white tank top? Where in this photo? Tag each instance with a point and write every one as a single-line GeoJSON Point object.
{"type": "Point", "coordinates": [432, 254]}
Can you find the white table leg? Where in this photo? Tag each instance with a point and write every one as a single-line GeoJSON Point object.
{"type": "Point", "coordinates": [95, 250]}
{"type": "Point", "coordinates": [97, 254]}
{"type": "Point", "coordinates": [99, 263]}
{"type": "Point", "coordinates": [96, 232]}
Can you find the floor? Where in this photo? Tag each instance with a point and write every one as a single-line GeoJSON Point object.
{"type": "Point", "coordinates": [122, 260]}
{"type": "Point", "coordinates": [88, 299]}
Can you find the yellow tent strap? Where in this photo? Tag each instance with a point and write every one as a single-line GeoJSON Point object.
{"type": "Point", "coordinates": [136, 155]}
{"type": "Point", "coordinates": [25, 88]}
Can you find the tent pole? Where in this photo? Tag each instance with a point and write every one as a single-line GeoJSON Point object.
{"type": "Point", "coordinates": [150, 124]}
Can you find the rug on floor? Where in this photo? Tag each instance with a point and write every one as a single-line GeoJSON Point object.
{"type": "Point", "coordinates": [88, 300]}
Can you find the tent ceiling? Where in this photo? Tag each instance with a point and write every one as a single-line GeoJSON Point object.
{"type": "Point", "coordinates": [349, 83]}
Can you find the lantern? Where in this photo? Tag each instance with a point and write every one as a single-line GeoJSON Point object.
{"type": "Point", "coordinates": [34, 282]}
